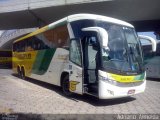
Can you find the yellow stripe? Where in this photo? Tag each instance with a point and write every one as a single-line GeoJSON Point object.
{"type": "Point", "coordinates": [5, 59]}
{"type": "Point", "coordinates": [122, 78]}
{"type": "Point", "coordinates": [43, 29]}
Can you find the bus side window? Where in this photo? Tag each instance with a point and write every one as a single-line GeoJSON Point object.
{"type": "Point", "coordinates": [39, 45]}
{"type": "Point", "coordinates": [18, 47]}
{"type": "Point", "coordinates": [22, 46]}
{"type": "Point", "coordinates": [26, 43]}
{"type": "Point", "coordinates": [61, 37]}
{"type": "Point", "coordinates": [47, 39]}
{"type": "Point", "coordinates": [44, 40]}
{"type": "Point", "coordinates": [29, 45]}
{"type": "Point", "coordinates": [35, 43]}
{"type": "Point", "coordinates": [14, 47]}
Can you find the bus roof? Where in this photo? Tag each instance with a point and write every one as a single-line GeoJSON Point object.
{"type": "Point", "coordinates": [97, 17]}
{"type": "Point", "coordinates": [72, 18]}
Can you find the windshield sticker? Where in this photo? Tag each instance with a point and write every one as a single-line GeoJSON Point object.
{"type": "Point", "coordinates": [125, 79]}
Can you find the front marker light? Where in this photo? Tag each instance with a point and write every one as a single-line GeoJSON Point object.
{"type": "Point", "coordinates": [113, 82]}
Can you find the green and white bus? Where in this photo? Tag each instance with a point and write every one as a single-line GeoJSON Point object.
{"type": "Point", "coordinates": [84, 54]}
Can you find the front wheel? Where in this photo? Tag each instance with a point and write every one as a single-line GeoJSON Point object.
{"type": "Point", "coordinates": [65, 86]}
{"type": "Point", "coordinates": [23, 73]}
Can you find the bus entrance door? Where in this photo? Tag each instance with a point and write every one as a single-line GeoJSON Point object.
{"type": "Point", "coordinates": [90, 58]}
{"type": "Point", "coordinates": [75, 67]}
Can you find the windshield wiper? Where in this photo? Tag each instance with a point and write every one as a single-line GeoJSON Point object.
{"type": "Point", "coordinates": [133, 55]}
{"type": "Point", "coordinates": [125, 55]}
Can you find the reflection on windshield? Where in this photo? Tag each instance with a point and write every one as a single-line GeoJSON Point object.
{"type": "Point", "coordinates": [124, 51]}
{"type": "Point", "coordinates": [134, 49]}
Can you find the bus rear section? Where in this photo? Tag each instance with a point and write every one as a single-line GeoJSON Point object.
{"type": "Point", "coordinates": [6, 59]}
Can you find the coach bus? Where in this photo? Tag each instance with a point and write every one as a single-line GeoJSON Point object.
{"type": "Point", "coordinates": [84, 54]}
{"type": "Point", "coordinates": [5, 59]}
{"type": "Point", "coordinates": [151, 59]}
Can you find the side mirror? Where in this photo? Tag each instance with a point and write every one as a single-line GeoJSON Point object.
{"type": "Point", "coordinates": [150, 39]}
{"type": "Point", "coordinates": [103, 34]}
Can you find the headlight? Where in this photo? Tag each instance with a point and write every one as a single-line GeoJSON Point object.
{"type": "Point", "coordinates": [113, 82]}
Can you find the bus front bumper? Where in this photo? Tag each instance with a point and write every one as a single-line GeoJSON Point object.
{"type": "Point", "coordinates": [109, 91]}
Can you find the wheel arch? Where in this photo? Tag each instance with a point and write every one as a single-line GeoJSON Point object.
{"type": "Point", "coordinates": [18, 67]}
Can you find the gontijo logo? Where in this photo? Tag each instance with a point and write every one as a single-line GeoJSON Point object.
{"type": "Point", "coordinates": [125, 79]}
{"type": "Point", "coordinates": [72, 85]}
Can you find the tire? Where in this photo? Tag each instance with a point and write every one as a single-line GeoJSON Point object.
{"type": "Point", "coordinates": [23, 73]}
{"type": "Point", "coordinates": [65, 86]}
{"type": "Point", "coordinates": [19, 72]}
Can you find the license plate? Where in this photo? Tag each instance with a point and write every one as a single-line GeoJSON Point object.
{"type": "Point", "coordinates": [130, 92]}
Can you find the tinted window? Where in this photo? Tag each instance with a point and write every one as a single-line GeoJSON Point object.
{"type": "Point", "coordinates": [5, 53]}
{"type": "Point", "coordinates": [78, 25]}
{"type": "Point", "coordinates": [57, 37]}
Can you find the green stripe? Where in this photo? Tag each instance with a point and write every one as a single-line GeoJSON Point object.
{"type": "Point", "coordinates": [140, 77]}
{"type": "Point", "coordinates": [43, 60]}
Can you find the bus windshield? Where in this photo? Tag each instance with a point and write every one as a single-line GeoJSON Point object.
{"type": "Point", "coordinates": [124, 49]}
{"type": "Point", "coordinates": [124, 54]}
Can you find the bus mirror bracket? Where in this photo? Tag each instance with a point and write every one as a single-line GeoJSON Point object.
{"type": "Point", "coordinates": [103, 34]}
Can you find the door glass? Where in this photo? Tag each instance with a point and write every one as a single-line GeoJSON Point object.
{"type": "Point", "coordinates": [92, 52]}
{"type": "Point", "coordinates": [75, 52]}
{"type": "Point", "coordinates": [92, 59]}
